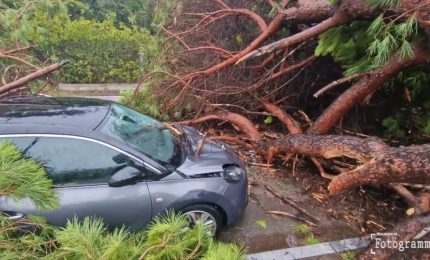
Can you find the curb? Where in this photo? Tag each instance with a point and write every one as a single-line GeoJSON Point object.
{"type": "Point", "coordinates": [326, 248]}
{"type": "Point", "coordinates": [97, 87]}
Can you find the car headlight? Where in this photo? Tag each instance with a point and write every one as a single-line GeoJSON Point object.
{"type": "Point", "coordinates": [233, 173]}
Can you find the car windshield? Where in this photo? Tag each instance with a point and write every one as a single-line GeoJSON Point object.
{"type": "Point", "coordinates": [142, 132]}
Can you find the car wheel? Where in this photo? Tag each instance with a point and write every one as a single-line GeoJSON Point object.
{"type": "Point", "coordinates": [204, 214]}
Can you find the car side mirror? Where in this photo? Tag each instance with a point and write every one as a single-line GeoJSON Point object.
{"type": "Point", "coordinates": [126, 176]}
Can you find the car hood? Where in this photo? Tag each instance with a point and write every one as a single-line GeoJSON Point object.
{"type": "Point", "coordinates": [212, 156]}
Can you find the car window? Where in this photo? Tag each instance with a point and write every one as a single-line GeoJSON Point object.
{"type": "Point", "coordinates": [70, 161]}
{"type": "Point", "coordinates": [142, 132]}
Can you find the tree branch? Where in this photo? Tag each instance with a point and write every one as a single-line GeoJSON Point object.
{"type": "Point", "coordinates": [242, 123]}
{"type": "Point", "coordinates": [37, 74]}
{"type": "Point", "coordinates": [337, 19]}
{"type": "Point", "coordinates": [358, 92]}
{"type": "Point", "coordinates": [339, 82]}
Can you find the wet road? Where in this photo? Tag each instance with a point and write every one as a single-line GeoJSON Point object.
{"type": "Point", "coordinates": [280, 231]}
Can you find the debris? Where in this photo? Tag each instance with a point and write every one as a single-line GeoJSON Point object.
{"type": "Point", "coordinates": [286, 214]}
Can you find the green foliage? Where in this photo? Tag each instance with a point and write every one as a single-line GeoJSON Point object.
{"type": "Point", "coordinates": [362, 46]}
{"type": "Point", "coordinates": [102, 48]}
{"type": "Point", "coordinates": [311, 240]}
{"type": "Point", "coordinates": [305, 231]}
{"type": "Point", "coordinates": [21, 177]}
{"type": "Point", "coordinates": [163, 12]}
{"type": "Point", "coordinates": [223, 251]}
{"type": "Point", "coordinates": [130, 12]}
{"type": "Point", "coordinates": [411, 117]}
{"type": "Point", "coordinates": [239, 38]}
{"type": "Point", "coordinates": [14, 244]}
{"type": "Point", "coordinates": [408, 121]}
{"type": "Point", "coordinates": [90, 239]}
{"type": "Point", "coordinates": [24, 178]}
{"type": "Point", "coordinates": [350, 255]}
{"type": "Point", "coordinates": [383, 3]}
{"type": "Point", "coordinates": [367, 45]}
{"type": "Point", "coordinates": [15, 26]}
{"type": "Point", "coordinates": [262, 223]}
{"type": "Point", "coordinates": [394, 128]}
{"type": "Point", "coordinates": [168, 238]}
{"type": "Point", "coordinates": [302, 229]}
{"type": "Point", "coordinates": [390, 38]}
{"type": "Point", "coordinates": [273, 10]}
{"type": "Point", "coordinates": [268, 120]}
{"type": "Point", "coordinates": [154, 58]}
{"type": "Point", "coordinates": [15, 20]}
{"type": "Point", "coordinates": [100, 52]}
{"type": "Point", "coordinates": [347, 44]}
{"type": "Point", "coordinates": [143, 101]}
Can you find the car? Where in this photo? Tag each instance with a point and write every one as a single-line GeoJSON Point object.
{"type": "Point", "coordinates": [109, 161]}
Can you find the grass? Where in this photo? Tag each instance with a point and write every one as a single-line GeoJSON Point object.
{"type": "Point", "coordinates": [311, 240]}
{"type": "Point", "coordinates": [302, 229]}
{"type": "Point", "coordinates": [350, 255]}
{"type": "Point", "coordinates": [305, 231]}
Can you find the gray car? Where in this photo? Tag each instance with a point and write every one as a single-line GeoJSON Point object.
{"type": "Point", "coordinates": [109, 161]}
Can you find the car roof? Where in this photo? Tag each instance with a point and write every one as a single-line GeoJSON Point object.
{"type": "Point", "coordinates": [41, 112]}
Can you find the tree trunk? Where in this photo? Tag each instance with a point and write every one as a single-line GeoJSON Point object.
{"type": "Point", "coordinates": [377, 162]}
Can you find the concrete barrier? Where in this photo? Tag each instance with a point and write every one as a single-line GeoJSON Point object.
{"type": "Point", "coordinates": [326, 248]}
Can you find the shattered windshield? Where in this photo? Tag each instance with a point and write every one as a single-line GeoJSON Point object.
{"type": "Point", "coordinates": [142, 132]}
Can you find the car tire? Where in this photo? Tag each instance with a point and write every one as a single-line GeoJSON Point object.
{"type": "Point", "coordinates": [211, 215]}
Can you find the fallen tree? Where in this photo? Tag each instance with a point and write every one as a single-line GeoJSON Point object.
{"type": "Point", "coordinates": [13, 80]}
{"type": "Point", "coordinates": [220, 83]}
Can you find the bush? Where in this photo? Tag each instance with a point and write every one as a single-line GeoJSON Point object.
{"type": "Point", "coordinates": [141, 10]}
{"type": "Point", "coordinates": [100, 52]}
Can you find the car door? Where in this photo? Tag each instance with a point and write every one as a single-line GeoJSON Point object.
{"type": "Point", "coordinates": [80, 169]}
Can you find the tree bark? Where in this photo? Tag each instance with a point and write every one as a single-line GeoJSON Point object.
{"type": "Point", "coordinates": [242, 123]}
{"type": "Point", "coordinates": [37, 74]}
{"type": "Point", "coordinates": [377, 162]}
